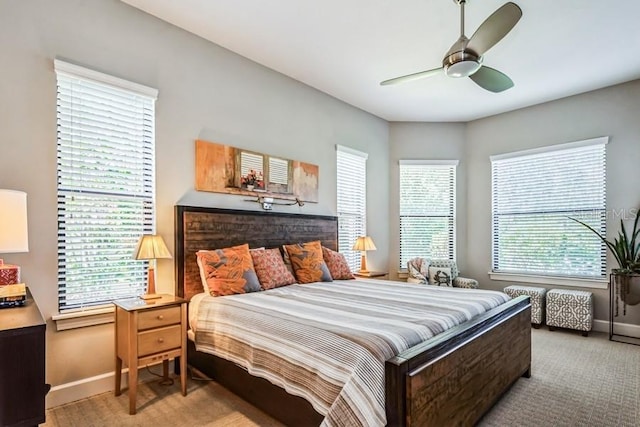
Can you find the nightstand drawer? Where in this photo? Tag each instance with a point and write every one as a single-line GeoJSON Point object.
{"type": "Point", "coordinates": [158, 317]}
{"type": "Point", "coordinates": [157, 340]}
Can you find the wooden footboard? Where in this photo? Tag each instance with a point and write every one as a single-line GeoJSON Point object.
{"type": "Point", "coordinates": [456, 377]}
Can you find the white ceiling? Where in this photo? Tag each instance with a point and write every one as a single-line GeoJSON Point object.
{"type": "Point", "coordinates": [346, 47]}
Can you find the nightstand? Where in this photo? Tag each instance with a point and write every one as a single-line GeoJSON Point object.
{"type": "Point", "coordinates": [372, 275]}
{"type": "Point", "coordinates": [147, 332]}
{"type": "Point", "coordinates": [22, 365]}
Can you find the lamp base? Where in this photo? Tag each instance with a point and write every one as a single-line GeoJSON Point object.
{"type": "Point", "coordinates": [151, 284]}
{"type": "Point", "coordinates": [363, 263]}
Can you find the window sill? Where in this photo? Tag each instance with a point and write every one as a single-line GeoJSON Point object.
{"type": "Point", "coordinates": [551, 280]}
{"type": "Point", "coordinates": [81, 319]}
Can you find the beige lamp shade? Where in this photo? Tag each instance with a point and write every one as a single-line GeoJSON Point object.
{"type": "Point", "coordinates": [364, 244]}
{"type": "Point", "coordinates": [14, 235]}
{"type": "Point", "coordinates": [151, 246]}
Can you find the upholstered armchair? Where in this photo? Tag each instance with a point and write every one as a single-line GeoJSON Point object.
{"type": "Point", "coordinates": [437, 272]}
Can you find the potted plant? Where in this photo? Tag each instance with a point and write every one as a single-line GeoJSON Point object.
{"type": "Point", "coordinates": [626, 250]}
{"type": "Point", "coordinates": [252, 179]}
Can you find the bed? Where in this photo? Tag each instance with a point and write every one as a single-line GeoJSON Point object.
{"type": "Point", "coordinates": [450, 379]}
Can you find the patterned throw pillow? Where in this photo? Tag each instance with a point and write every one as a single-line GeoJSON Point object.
{"type": "Point", "coordinates": [228, 271]}
{"type": "Point", "coordinates": [270, 269]}
{"type": "Point", "coordinates": [307, 262]}
{"type": "Point", "coordinates": [440, 276]}
{"type": "Point", "coordinates": [337, 264]}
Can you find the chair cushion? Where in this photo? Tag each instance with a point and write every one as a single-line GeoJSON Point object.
{"type": "Point", "coordinates": [440, 276]}
{"type": "Point", "coordinates": [418, 270]}
{"type": "Point", "coordinates": [446, 263]}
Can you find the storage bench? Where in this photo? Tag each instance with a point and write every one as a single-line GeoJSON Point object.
{"type": "Point", "coordinates": [570, 309]}
{"type": "Point", "coordinates": [537, 297]}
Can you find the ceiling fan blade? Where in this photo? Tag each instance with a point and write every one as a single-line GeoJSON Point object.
{"type": "Point", "coordinates": [491, 79]}
{"type": "Point", "coordinates": [494, 28]}
{"type": "Point", "coordinates": [414, 76]}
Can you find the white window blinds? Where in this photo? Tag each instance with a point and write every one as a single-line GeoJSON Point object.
{"type": "Point", "coordinates": [352, 202]}
{"type": "Point", "coordinates": [251, 162]}
{"type": "Point", "coordinates": [278, 171]}
{"type": "Point", "coordinates": [427, 209]}
{"type": "Point", "coordinates": [106, 177]}
{"type": "Point", "coordinates": [534, 194]}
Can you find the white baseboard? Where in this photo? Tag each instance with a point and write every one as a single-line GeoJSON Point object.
{"type": "Point", "coordinates": [619, 328]}
{"type": "Point", "coordinates": [87, 387]}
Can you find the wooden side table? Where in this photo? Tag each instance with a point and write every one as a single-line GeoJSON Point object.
{"type": "Point", "coordinates": [372, 275]}
{"type": "Point", "coordinates": [150, 331]}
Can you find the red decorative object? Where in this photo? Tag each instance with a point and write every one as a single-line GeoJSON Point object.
{"type": "Point", "coordinates": [9, 274]}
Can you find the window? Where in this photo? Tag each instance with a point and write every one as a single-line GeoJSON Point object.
{"type": "Point", "coordinates": [427, 209]}
{"type": "Point", "coordinates": [251, 162]}
{"type": "Point", "coordinates": [278, 171]}
{"type": "Point", "coordinates": [106, 185]}
{"type": "Point", "coordinates": [535, 193]}
{"type": "Point", "coordinates": [352, 202]}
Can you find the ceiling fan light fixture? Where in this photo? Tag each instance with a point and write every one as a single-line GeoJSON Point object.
{"type": "Point", "coordinates": [461, 64]}
{"type": "Point", "coordinates": [462, 68]}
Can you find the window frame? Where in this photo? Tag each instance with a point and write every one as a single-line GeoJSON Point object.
{"type": "Point", "coordinates": [598, 282]}
{"type": "Point", "coordinates": [452, 214]}
{"type": "Point", "coordinates": [95, 312]}
{"type": "Point", "coordinates": [357, 213]}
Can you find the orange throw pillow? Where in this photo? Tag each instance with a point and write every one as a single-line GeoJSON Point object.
{"type": "Point", "coordinates": [337, 264]}
{"type": "Point", "coordinates": [270, 269]}
{"type": "Point", "coordinates": [228, 271]}
{"type": "Point", "coordinates": [307, 262]}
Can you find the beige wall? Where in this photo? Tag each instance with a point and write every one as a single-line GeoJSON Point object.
{"type": "Point", "coordinates": [205, 92]}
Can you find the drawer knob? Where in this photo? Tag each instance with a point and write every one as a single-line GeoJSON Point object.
{"type": "Point", "coordinates": [160, 317]}
{"type": "Point", "coordinates": [160, 340]}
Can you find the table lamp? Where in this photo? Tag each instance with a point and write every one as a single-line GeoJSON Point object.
{"type": "Point", "coordinates": [151, 247]}
{"type": "Point", "coordinates": [14, 236]}
{"type": "Point", "coordinates": [364, 244]}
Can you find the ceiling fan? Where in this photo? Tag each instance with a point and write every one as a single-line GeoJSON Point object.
{"type": "Point", "coordinates": [464, 58]}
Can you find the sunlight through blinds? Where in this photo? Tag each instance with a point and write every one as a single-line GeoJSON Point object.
{"type": "Point", "coordinates": [106, 184]}
{"type": "Point", "coordinates": [534, 195]}
{"type": "Point", "coordinates": [427, 209]}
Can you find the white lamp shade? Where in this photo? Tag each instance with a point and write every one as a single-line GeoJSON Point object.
{"type": "Point", "coordinates": [151, 246]}
{"type": "Point", "coordinates": [14, 233]}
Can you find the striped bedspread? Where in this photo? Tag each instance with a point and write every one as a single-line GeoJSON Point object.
{"type": "Point", "coordinates": [327, 342]}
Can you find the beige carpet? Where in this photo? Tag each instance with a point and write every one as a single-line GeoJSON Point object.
{"type": "Point", "coordinates": [575, 381]}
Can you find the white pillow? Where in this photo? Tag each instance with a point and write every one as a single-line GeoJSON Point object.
{"type": "Point", "coordinates": [440, 276]}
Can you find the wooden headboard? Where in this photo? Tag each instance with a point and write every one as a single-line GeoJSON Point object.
{"type": "Point", "coordinates": [198, 228]}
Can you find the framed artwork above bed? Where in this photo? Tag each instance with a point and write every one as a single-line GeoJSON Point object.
{"type": "Point", "coordinates": [231, 170]}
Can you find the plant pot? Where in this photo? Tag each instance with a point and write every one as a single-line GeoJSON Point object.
{"type": "Point", "coordinates": [628, 288]}
{"type": "Point", "coordinates": [250, 187]}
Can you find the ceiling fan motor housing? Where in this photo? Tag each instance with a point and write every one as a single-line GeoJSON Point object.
{"type": "Point", "coordinates": [461, 64]}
